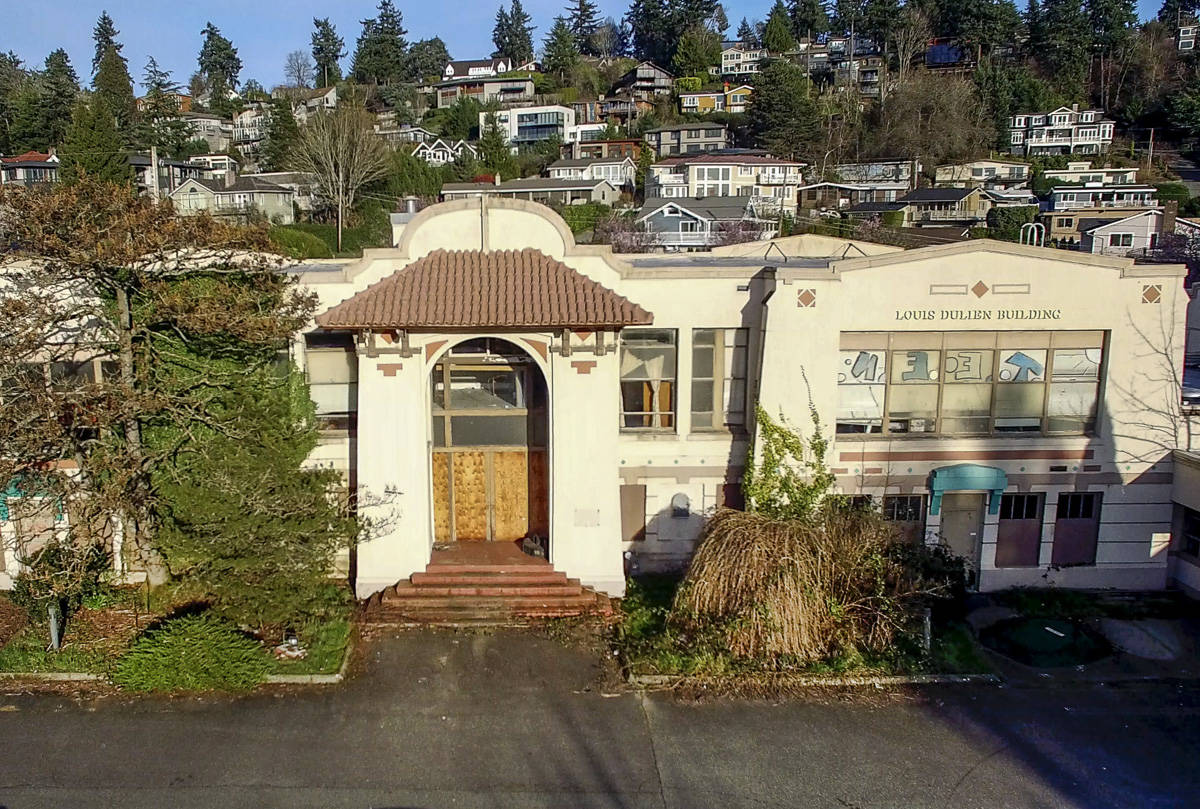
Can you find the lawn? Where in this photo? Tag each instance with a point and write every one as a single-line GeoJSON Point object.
{"type": "Point", "coordinates": [649, 646]}
{"type": "Point", "coordinates": [95, 638]}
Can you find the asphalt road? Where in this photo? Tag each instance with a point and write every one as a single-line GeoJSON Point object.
{"type": "Point", "coordinates": [1189, 173]}
{"type": "Point", "coordinates": [512, 720]}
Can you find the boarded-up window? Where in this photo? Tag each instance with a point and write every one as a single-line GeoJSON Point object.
{"type": "Point", "coordinates": [633, 512]}
{"type": "Point", "coordinates": [1076, 529]}
{"type": "Point", "coordinates": [1019, 535]}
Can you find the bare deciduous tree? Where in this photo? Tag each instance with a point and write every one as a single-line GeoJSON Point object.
{"type": "Point", "coordinates": [298, 69]}
{"type": "Point", "coordinates": [910, 38]}
{"type": "Point", "coordinates": [340, 148]}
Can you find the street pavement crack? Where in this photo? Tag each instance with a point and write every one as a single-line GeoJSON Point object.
{"type": "Point", "coordinates": [662, 792]}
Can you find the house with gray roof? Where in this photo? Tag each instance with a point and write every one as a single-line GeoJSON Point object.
{"type": "Point", "coordinates": [545, 190]}
{"type": "Point", "coordinates": [620, 171]}
{"type": "Point", "coordinates": [243, 197]}
{"type": "Point", "coordinates": [700, 223]}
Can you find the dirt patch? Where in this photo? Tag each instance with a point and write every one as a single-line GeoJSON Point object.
{"type": "Point", "coordinates": [12, 620]}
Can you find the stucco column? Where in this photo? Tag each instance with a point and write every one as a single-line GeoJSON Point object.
{"type": "Point", "coordinates": [585, 512]}
{"type": "Point", "coordinates": [393, 474]}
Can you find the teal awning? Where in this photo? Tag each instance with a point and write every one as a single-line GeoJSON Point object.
{"type": "Point", "coordinates": [968, 477]}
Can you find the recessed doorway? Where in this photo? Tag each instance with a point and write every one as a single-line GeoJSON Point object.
{"type": "Point", "coordinates": [489, 458]}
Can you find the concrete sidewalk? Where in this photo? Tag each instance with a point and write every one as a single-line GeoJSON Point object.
{"type": "Point", "coordinates": [516, 719]}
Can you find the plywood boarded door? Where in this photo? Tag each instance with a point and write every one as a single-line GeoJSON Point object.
{"type": "Point", "coordinates": [470, 495]}
{"type": "Point", "coordinates": [510, 494]}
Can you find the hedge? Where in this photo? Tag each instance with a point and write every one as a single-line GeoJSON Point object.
{"type": "Point", "coordinates": [196, 652]}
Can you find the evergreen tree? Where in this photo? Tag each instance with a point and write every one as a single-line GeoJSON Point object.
{"type": "Point", "coordinates": [583, 18]}
{"type": "Point", "coordinates": [745, 34]}
{"type": "Point", "coordinates": [560, 52]}
{"type": "Point", "coordinates": [93, 146]}
{"type": "Point", "coordinates": [161, 124]}
{"type": "Point", "coordinates": [880, 18]}
{"type": "Point", "coordinates": [408, 175]}
{"type": "Point", "coordinates": [219, 66]}
{"type": "Point", "coordinates": [495, 155]}
{"type": "Point", "coordinates": [282, 134]}
{"type": "Point", "coordinates": [651, 30]}
{"type": "Point", "coordinates": [1111, 21]}
{"type": "Point", "coordinates": [25, 129]}
{"type": "Point", "coordinates": [425, 59]}
{"type": "Point", "coordinates": [808, 18]}
{"type": "Point", "coordinates": [848, 15]}
{"type": "Point", "coordinates": [105, 36]}
{"type": "Point", "coordinates": [113, 84]}
{"type": "Point", "coordinates": [12, 79]}
{"type": "Point", "coordinates": [783, 118]}
{"type": "Point", "coordinates": [1174, 12]}
{"type": "Point", "coordinates": [699, 48]}
{"type": "Point", "coordinates": [980, 26]}
{"type": "Point", "coordinates": [1066, 50]}
{"type": "Point", "coordinates": [1035, 34]}
{"type": "Point", "coordinates": [379, 57]}
{"type": "Point", "coordinates": [777, 36]}
{"type": "Point", "coordinates": [327, 49]}
{"type": "Point", "coordinates": [501, 32]}
{"type": "Point", "coordinates": [57, 90]}
{"type": "Point", "coordinates": [513, 33]}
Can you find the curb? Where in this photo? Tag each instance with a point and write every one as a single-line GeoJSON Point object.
{"type": "Point", "coordinates": [803, 680]}
{"type": "Point", "coordinates": [51, 676]}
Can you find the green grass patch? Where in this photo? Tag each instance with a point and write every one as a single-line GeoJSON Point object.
{"type": "Point", "coordinates": [327, 644]}
{"type": "Point", "coordinates": [27, 652]}
{"type": "Point", "coordinates": [192, 652]}
{"type": "Point", "coordinates": [955, 651]}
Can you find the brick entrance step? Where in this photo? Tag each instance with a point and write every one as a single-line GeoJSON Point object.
{"type": "Point", "coordinates": [484, 582]}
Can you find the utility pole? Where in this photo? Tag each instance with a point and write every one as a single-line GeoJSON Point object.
{"type": "Point", "coordinates": [1150, 156]}
{"type": "Point", "coordinates": [154, 192]}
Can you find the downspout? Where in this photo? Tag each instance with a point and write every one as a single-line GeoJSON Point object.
{"type": "Point", "coordinates": [768, 276]}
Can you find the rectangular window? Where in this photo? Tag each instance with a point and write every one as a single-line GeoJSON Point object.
{"type": "Point", "coordinates": [648, 379]}
{"type": "Point", "coordinates": [1019, 534]}
{"type": "Point", "coordinates": [1120, 240]}
{"type": "Point", "coordinates": [1076, 529]}
{"type": "Point", "coordinates": [1064, 222]}
{"type": "Point", "coordinates": [908, 512]}
{"type": "Point", "coordinates": [969, 383]}
{"type": "Point", "coordinates": [719, 378]}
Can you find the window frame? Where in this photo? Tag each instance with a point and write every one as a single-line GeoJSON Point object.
{"type": "Point", "coordinates": [662, 420]}
{"type": "Point", "coordinates": [1001, 342]}
{"type": "Point", "coordinates": [723, 376]}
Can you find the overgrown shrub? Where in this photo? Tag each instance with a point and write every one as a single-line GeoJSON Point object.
{"type": "Point", "coordinates": [801, 590]}
{"type": "Point", "coordinates": [299, 243]}
{"type": "Point", "coordinates": [62, 574]}
{"type": "Point", "coordinates": [193, 652]}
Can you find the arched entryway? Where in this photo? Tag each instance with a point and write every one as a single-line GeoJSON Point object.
{"type": "Point", "coordinates": [489, 459]}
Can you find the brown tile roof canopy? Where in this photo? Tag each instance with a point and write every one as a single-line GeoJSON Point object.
{"type": "Point", "coordinates": [468, 288]}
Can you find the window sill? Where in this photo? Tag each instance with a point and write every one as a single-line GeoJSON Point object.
{"type": "Point", "coordinates": [863, 437]}
{"type": "Point", "coordinates": [650, 435]}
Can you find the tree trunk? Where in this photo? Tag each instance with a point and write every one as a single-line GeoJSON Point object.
{"type": "Point", "coordinates": [132, 525]}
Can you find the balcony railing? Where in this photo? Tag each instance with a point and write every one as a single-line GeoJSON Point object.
{"type": "Point", "coordinates": [947, 215]}
{"type": "Point", "coordinates": [677, 239]}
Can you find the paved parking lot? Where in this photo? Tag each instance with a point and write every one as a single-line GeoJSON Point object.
{"type": "Point", "coordinates": [511, 719]}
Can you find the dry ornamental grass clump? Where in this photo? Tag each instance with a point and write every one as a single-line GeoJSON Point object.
{"type": "Point", "coordinates": [801, 590]}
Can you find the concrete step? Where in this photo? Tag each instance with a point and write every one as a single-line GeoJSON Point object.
{"type": "Point", "coordinates": [511, 603]}
{"type": "Point", "coordinates": [501, 587]}
{"type": "Point", "coordinates": [436, 577]}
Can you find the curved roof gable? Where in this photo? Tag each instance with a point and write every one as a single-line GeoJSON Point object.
{"type": "Point", "coordinates": [509, 289]}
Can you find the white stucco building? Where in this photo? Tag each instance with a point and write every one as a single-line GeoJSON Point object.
{"type": "Point", "coordinates": [489, 380]}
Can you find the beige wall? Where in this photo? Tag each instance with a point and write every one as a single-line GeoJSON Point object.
{"type": "Point", "coordinates": [1128, 460]}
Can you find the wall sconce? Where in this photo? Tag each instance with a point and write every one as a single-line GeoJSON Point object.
{"type": "Point", "coordinates": [680, 505]}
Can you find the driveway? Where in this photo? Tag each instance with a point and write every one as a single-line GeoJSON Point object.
{"type": "Point", "coordinates": [509, 719]}
{"type": "Point", "coordinates": [1188, 171]}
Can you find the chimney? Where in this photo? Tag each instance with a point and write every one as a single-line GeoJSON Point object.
{"type": "Point", "coordinates": [230, 177]}
{"type": "Point", "coordinates": [1170, 211]}
{"type": "Point", "coordinates": [410, 205]}
{"type": "Point", "coordinates": [496, 178]}
{"type": "Point", "coordinates": [1075, 107]}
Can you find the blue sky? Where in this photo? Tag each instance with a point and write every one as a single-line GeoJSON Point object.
{"type": "Point", "coordinates": [264, 31]}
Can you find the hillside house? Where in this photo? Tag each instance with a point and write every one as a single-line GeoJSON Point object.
{"type": "Point", "coordinates": [241, 197]}
{"type": "Point", "coordinates": [690, 138]}
{"type": "Point", "coordinates": [771, 183]}
{"type": "Point", "coordinates": [619, 171]}
{"type": "Point", "coordinates": [548, 191]}
{"type": "Point", "coordinates": [1096, 195]}
{"type": "Point", "coordinates": [29, 169]}
{"type": "Point", "coordinates": [442, 151]}
{"type": "Point", "coordinates": [729, 99]}
{"type": "Point", "coordinates": [1066, 130]}
{"type": "Point", "coordinates": [701, 223]}
{"type": "Point", "coordinates": [982, 174]}
{"type": "Point", "coordinates": [1082, 172]}
{"type": "Point", "coordinates": [644, 82]}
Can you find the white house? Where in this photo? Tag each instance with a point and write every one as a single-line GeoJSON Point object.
{"type": "Point", "coordinates": [1065, 130]}
{"type": "Point", "coordinates": [1095, 195]}
{"type": "Point", "coordinates": [1137, 234]}
{"type": "Point", "coordinates": [442, 151]}
{"type": "Point", "coordinates": [1082, 172]}
{"type": "Point", "coordinates": [527, 125]}
{"type": "Point", "coordinates": [476, 68]}
{"type": "Point", "coordinates": [740, 60]}
{"type": "Point", "coordinates": [620, 171]}
{"type": "Point", "coordinates": [982, 174]}
{"type": "Point", "coordinates": [769, 181]}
